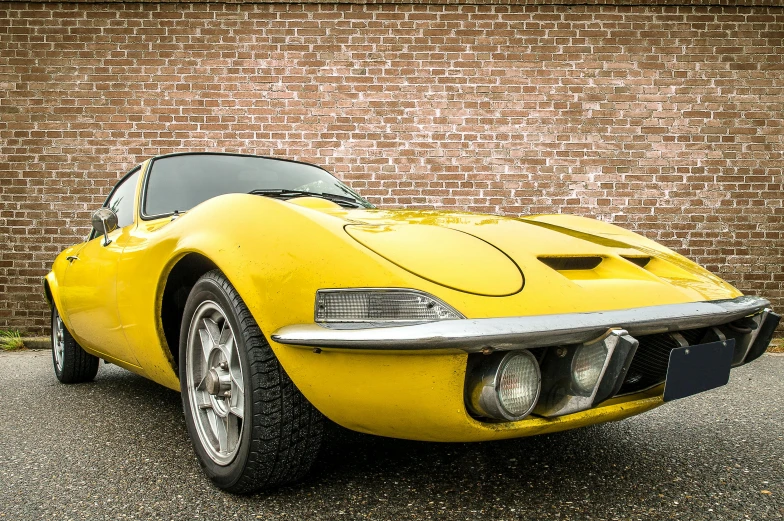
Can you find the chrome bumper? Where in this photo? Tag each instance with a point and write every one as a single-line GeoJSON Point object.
{"type": "Point", "coordinates": [472, 335]}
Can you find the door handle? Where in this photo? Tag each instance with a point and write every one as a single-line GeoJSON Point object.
{"type": "Point", "coordinates": [71, 258]}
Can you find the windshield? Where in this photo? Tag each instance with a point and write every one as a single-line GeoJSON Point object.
{"type": "Point", "coordinates": [178, 183]}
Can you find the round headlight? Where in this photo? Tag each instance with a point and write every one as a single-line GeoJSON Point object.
{"type": "Point", "coordinates": [504, 386]}
{"type": "Point", "coordinates": [587, 366]}
{"type": "Point", "coordinates": [518, 386]}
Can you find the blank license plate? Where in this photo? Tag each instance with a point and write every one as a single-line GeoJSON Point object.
{"type": "Point", "coordinates": [695, 369]}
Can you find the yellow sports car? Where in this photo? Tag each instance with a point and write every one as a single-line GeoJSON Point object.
{"type": "Point", "coordinates": [272, 296]}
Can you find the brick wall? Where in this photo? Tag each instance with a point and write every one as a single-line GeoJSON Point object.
{"type": "Point", "coordinates": [665, 120]}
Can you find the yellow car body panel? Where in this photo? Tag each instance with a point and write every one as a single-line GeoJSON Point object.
{"type": "Point", "coordinates": [444, 256]}
{"type": "Point", "coordinates": [277, 254]}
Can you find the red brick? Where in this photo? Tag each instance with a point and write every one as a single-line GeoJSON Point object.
{"type": "Point", "coordinates": [664, 120]}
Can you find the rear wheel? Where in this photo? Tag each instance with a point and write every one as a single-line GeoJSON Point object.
{"type": "Point", "coordinates": [250, 426]}
{"type": "Point", "coordinates": [72, 364]}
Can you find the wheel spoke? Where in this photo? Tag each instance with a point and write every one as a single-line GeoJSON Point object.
{"type": "Point", "coordinates": [213, 419]}
{"type": "Point", "coordinates": [235, 369]}
{"type": "Point", "coordinates": [206, 345]}
{"type": "Point", "coordinates": [232, 432]}
{"type": "Point", "coordinates": [225, 333]}
{"type": "Point", "coordinates": [237, 401]}
{"type": "Point", "coordinates": [213, 330]}
{"type": "Point", "coordinates": [222, 434]}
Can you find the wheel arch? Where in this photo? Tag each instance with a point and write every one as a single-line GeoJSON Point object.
{"type": "Point", "coordinates": [176, 287]}
{"type": "Point", "coordinates": [53, 297]}
{"type": "Point", "coordinates": [48, 294]}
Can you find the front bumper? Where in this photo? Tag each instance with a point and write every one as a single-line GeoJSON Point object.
{"type": "Point", "coordinates": [747, 322]}
{"type": "Point", "coordinates": [473, 335]}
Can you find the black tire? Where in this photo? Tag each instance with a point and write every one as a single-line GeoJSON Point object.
{"type": "Point", "coordinates": [281, 431]}
{"type": "Point", "coordinates": [76, 365]}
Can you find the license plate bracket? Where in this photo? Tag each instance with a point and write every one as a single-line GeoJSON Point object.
{"type": "Point", "coordinates": [698, 368]}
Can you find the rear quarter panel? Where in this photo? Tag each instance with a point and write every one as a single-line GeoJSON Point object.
{"type": "Point", "coordinates": [53, 278]}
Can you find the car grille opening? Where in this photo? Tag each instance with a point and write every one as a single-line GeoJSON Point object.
{"type": "Point", "coordinates": [649, 365]}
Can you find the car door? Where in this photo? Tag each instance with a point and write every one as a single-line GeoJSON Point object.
{"type": "Point", "coordinates": [89, 289]}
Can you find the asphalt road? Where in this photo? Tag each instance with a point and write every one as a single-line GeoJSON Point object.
{"type": "Point", "coordinates": [117, 449]}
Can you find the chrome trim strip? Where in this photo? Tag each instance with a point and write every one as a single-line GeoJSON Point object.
{"type": "Point", "coordinates": [510, 333]}
{"type": "Point", "coordinates": [754, 334]}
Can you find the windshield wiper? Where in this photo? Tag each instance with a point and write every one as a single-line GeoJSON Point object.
{"type": "Point", "coordinates": [285, 193]}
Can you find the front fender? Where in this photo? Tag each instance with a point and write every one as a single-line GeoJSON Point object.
{"type": "Point", "coordinates": [276, 255]}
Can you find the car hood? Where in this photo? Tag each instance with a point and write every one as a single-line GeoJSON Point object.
{"type": "Point", "coordinates": [498, 256]}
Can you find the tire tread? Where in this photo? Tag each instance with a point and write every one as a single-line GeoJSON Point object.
{"type": "Point", "coordinates": [78, 365]}
{"type": "Point", "coordinates": [287, 429]}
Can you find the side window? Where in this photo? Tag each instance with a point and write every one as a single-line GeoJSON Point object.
{"type": "Point", "coordinates": [121, 201]}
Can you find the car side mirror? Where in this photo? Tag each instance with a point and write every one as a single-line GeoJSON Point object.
{"type": "Point", "coordinates": [104, 222]}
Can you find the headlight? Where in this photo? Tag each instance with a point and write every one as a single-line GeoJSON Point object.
{"type": "Point", "coordinates": [380, 305]}
{"type": "Point", "coordinates": [504, 386]}
{"type": "Point", "coordinates": [587, 366]}
{"type": "Point", "coordinates": [579, 376]}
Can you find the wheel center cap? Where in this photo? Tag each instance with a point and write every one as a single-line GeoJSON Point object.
{"type": "Point", "coordinates": [217, 382]}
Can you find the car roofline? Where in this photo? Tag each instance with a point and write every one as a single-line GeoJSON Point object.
{"type": "Point", "coordinates": [197, 153]}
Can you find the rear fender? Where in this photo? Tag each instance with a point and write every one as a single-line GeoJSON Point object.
{"type": "Point", "coordinates": [52, 283]}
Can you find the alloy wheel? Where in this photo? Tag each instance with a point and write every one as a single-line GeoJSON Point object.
{"type": "Point", "coordinates": [215, 382]}
{"type": "Point", "coordinates": [58, 339]}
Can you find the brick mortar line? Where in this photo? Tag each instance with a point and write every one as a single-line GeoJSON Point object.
{"type": "Point", "coordinates": [534, 3]}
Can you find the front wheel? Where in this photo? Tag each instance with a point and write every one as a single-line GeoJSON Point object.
{"type": "Point", "coordinates": [72, 364]}
{"type": "Point", "coordinates": [250, 426]}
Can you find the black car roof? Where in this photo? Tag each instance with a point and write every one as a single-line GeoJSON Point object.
{"type": "Point", "coordinates": [175, 154]}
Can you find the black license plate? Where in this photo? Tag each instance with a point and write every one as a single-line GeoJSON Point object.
{"type": "Point", "coordinates": [695, 369]}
